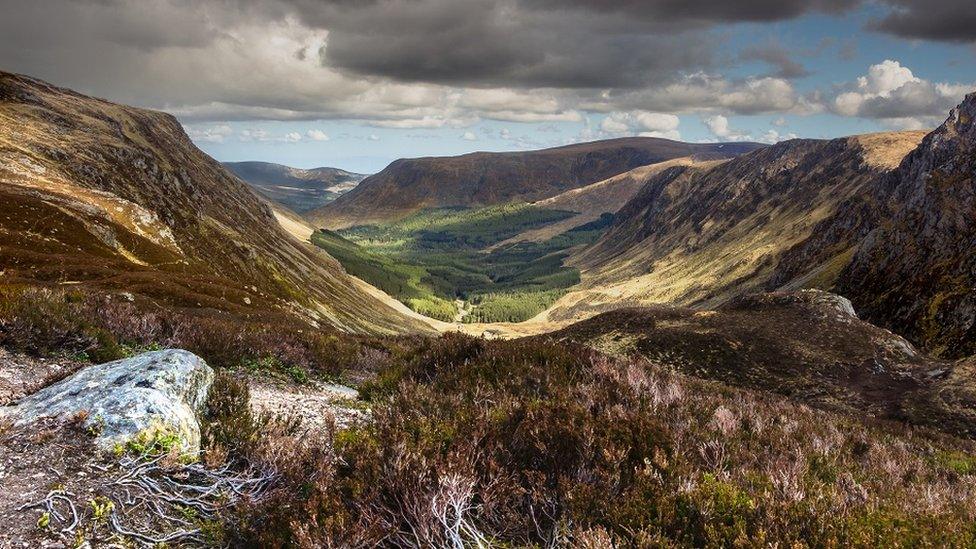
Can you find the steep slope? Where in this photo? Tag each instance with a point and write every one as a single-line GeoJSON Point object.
{"type": "Point", "coordinates": [297, 189]}
{"type": "Point", "coordinates": [480, 179]}
{"type": "Point", "coordinates": [915, 272]}
{"type": "Point", "coordinates": [807, 345]}
{"type": "Point", "coordinates": [118, 198]}
{"type": "Point", "coordinates": [602, 197]}
{"type": "Point", "coordinates": [704, 235]}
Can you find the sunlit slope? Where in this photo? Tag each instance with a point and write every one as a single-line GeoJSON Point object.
{"type": "Point", "coordinates": [118, 198]}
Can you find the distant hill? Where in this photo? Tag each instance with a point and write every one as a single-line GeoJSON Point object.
{"type": "Point", "coordinates": [297, 189]}
{"type": "Point", "coordinates": [118, 199]}
{"type": "Point", "coordinates": [604, 197]}
{"type": "Point", "coordinates": [484, 178]}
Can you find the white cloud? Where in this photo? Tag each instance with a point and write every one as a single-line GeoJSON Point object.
{"type": "Point", "coordinates": [317, 135]}
{"type": "Point", "coordinates": [469, 136]}
{"type": "Point", "coordinates": [373, 137]}
{"type": "Point", "coordinates": [644, 123]}
{"type": "Point", "coordinates": [773, 136]}
{"type": "Point", "coordinates": [719, 126]}
{"type": "Point", "coordinates": [615, 122]}
{"type": "Point", "coordinates": [253, 134]}
{"type": "Point", "coordinates": [292, 137]}
{"type": "Point", "coordinates": [212, 134]}
{"type": "Point", "coordinates": [427, 122]}
{"type": "Point", "coordinates": [892, 93]}
{"type": "Point", "coordinates": [703, 92]}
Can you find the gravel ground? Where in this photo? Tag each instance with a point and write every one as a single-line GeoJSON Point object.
{"type": "Point", "coordinates": [317, 404]}
{"type": "Point", "coordinates": [21, 375]}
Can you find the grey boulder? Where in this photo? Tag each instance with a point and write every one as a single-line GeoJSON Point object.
{"type": "Point", "coordinates": [122, 398]}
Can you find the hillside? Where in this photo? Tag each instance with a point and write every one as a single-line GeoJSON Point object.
{"type": "Point", "coordinates": [807, 345]}
{"type": "Point", "coordinates": [118, 199]}
{"type": "Point", "coordinates": [603, 197]}
{"type": "Point", "coordinates": [701, 235]}
{"type": "Point", "coordinates": [480, 179]}
{"type": "Point", "coordinates": [915, 271]}
{"type": "Point", "coordinates": [297, 189]}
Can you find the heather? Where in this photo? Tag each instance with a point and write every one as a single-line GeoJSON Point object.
{"type": "Point", "coordinates": [529, 443]}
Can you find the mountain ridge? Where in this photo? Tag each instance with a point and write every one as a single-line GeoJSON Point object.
{"type": "Point", "coordinates": [488, 178]}
{"type": "Point", "coordinates": [298, 189]}
{"type": "Point", "coordinates": [704, 235]}
{"type": "Point", "coordinates": [915, 271]}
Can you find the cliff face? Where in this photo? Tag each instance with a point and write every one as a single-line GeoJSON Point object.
{"type": "Point", "coordinates": [915, 271]}
{"type": "Point", "coordinates": [704, 235]}
{"type": "Point", "coordinates": [116, 197]}
{"type": "Point", "coordinates": [481, 179]}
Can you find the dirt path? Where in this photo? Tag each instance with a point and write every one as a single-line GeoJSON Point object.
{"type": "Point", "coordinates": [317, 404]}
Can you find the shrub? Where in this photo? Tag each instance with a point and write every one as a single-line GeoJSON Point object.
{"type": "Point", "coordinates": [99, 328]}
{"type": "Point", "coordinates": [533, 443]}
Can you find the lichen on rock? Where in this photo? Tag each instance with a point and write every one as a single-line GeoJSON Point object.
{"type": "Point", "coordinates": [123, 398]}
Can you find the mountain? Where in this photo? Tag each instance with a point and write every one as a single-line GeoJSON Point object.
{"type": "Point", "coordinates": [484, 178]}
{"type": "Point", "coordinates": [702, 235]}
{"type": "Point", "coordinates": [118, 199]}
{"type": "Point", "coordinates": [915, 269]}
{"type": "Point", "coordinates": [808, 345]}
{"type": "Point", "coordinates": [603, 197]}
{"type": "Point", "coordinates": [297, 189]}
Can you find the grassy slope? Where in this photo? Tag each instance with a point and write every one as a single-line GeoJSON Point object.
{"type": "Point", "coordinates": [431, 258]}
{"type": "Point", "coordinates": [119, 199]}
{"type": "Point", "coordinates": [546, 445]}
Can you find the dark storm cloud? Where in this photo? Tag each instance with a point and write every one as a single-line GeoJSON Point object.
{"type": "Point", "coordinates": [941, 20]}
{"type": "Point", "coordinates": [712, 11]}
{"type": "Point", "coordinates": [561, 50]}
{"type": "Point", "coordinates": [426, 62]}
{"type": "Point", "coordinates": [547, 43]}
{"type": "Point", "coordinates": [778, 57]}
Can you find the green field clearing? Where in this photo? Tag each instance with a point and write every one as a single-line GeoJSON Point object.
{"type": "Point", "coordinates": [434, 257]}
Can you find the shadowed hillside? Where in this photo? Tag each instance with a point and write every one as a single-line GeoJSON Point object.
{"type": "Point", "coordinates": [704, 235]}
{"type": "Point", "coordinates": [915, 272]}
{"type": "Point", "coordinates": [806, 345]}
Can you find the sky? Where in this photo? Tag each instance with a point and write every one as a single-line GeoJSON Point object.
{"type": "Point", "coordinates": [356, 84]}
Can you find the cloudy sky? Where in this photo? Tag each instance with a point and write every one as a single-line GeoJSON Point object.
{"type": "Point", "coordinates": [358, 83]}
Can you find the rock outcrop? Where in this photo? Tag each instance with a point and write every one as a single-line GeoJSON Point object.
{"type": "Point", "coordinates": [122, 398]}
{"type": "Point", "coordinates": [915, 272]}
